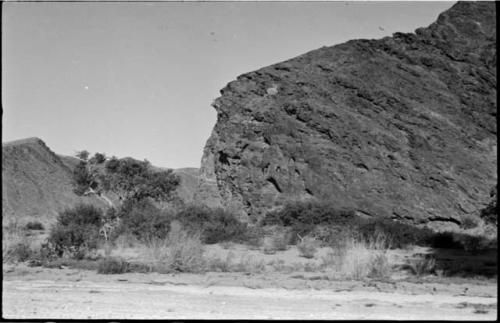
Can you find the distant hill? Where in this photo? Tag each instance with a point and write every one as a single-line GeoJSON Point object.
{"type": "Point", "coordinates": [36, 183]}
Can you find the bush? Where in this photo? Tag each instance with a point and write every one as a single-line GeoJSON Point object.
{"type": "Point", "coordinates": [276, 239]}
{"type": "Point", "coordinates": [34, 226]}
{"type": "Point", "coordinates": [253, 236]}
{"type": "Point", "coordinates": [445, 240]}
{"type": "Point", "coordinates": [423, 266]}
{"type": "Point", "coordinates": [76, 230]}
{"type": "Point", "coordinates": [268, 246]}
{"type": "Point", "coordinates": [380, 267]}
{"type": "Point", "coordinates": [17, 252]}
{"type": "Point", "coordinates": [215, 225]}
{"type": "Point", "coordinates": [307, 247]}
{"type": "Point", "coordinates": [399, 234]}
{"type": "Point", "coordinates": [143, 220]}
{"type": "Point", "coordinates": [304, 216]}
{"type": "Point", "coordinates": [112, 265]}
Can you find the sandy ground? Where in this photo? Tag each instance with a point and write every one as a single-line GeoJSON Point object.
{"type": "Point", "coordinates": [43, 293]}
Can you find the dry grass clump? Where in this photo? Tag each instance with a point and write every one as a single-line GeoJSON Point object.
{"type": "Point", "coordinates": [308, 246]}
{"type": "Point", "coordinates": [247, 263]}
{"type": "Point", "coordinates": [423, 266]}
{"type": "Point", "coordinates": [16, 245]}
{"type": "Point", "coordinates": [126, 240]}
{"type": "Point", "coordinates": [276, 239]}
{"type": "Point", "coordinates": [359, 259]}
{"type": "Point", "coordinates": [112, 265]}
{"type": "Point", "coordinates": [179, 251]}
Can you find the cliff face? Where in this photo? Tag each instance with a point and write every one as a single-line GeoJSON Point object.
{"type": "Point", "coordinates": [402, 127]}
{"type": "Point", "coordinates": [36, 183]}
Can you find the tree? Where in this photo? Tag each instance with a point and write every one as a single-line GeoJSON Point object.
{"type": "Point", "coordinates": [83, 155]}
{"type": "Point", "coordinates": [98, 158]}
{"type": "Point", "coordinates": [130, 179]}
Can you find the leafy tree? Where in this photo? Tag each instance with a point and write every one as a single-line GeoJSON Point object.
{"type": "Point", "coordinates": [98, 158]}
{"type": "Point", "coordinates": [83, 155]}
{"type": "Point", "coordinates": [130, 179]}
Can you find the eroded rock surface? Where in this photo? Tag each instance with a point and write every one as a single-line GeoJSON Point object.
{"type": "Point", "coordinates": [402, 127]}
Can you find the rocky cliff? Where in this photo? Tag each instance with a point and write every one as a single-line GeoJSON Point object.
{"type": "Point", "coordinates": [401, 127]}
{"type": "Point", "coordinates": [36, 183]}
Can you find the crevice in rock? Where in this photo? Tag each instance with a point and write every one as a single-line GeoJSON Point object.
{"type": "Point", "coordinates": [275, 184]}
{"type": "Point", "coordinates": [223, 158]}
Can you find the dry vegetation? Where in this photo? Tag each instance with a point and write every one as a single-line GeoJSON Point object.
{"type": "Point", "coordinates": [354, 251]}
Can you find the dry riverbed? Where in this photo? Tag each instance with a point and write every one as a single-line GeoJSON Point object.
{"type": "Point", "coordinates": [43, 293]}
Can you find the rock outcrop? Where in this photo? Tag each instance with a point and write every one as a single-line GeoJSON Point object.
{"type": "Point", "coordinates": [402, 127]}
{"type": "Point", "coordinates": [36, 183]}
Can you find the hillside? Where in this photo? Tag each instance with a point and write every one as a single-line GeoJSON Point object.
{"type": "Point", "coordinates": [36, 183]}
{"type": "Point", "coordinates": [402, 127]}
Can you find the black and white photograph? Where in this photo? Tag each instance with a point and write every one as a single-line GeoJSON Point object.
{"type": "Point", "coordinates": [249, 160]}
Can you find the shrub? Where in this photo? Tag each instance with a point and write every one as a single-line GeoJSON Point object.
{"type": "Point", "coordinates": [34, 226]}
{"type": "Point", "coordinates": [112, 265]}
{"type": "Point", "coordinates": [380, 267]}
{"type": "Point", "coordinates": [304, 216]}
{"type": "Point", "coordinates": [268, 247]}
{"type": "Point", "coordinates": [18, 251]}
{"type": "Point", "coordinates": [253, 236]}
{"type": "Point", "coordinates": [76, 230]}
{"type": "Point", "coordinates": [399, 234]}
{"type": "Point", "coordinates": [143, 220]}
{"type": "Point", "coordinates": [423, 266]}
{"type": "Point", "coordinates": [445, 240]}
{"type": "Point", "coordinates": [125, 240]}
{"type": "Point", "coordinates": [307, 247]}
{"type": "Point", "coordinates": [276, 238]}
{"type": "Point", "coordinates": [215, 225]}
{"type": "Point", "coordinates": [218, 264]}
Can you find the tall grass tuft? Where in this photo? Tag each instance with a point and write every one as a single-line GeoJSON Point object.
{"type": "Point", "coordinates": [179, 251]}
{"type": "Point", "coordinates": [112, 265]}
{"type": "Point", "coordinates": [16, 245]}
{"type": "Point", "coordinates": [308, 246]}
{"type": "Point", "coordinates": [359, 259]}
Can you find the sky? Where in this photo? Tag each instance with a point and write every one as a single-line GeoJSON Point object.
{"type": "Point", "coordinates": [138, 79]}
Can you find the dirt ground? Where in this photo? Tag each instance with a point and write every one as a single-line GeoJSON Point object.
{"type": "Point", "coordinates": [43, 293]}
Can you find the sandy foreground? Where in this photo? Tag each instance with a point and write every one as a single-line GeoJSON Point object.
{"type": "Point", "coordinates": [43, 293]}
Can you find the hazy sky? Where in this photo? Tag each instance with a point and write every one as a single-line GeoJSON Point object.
{"type": "Point", "coordinates": [137, 79]}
